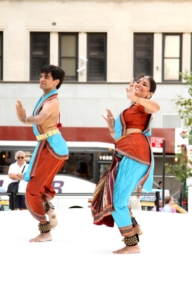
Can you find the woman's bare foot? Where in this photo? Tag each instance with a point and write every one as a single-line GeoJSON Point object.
{"type": "Point", "coordinates": [137, 230]}
{"type": "Point", "coordinates": [43, 237]}
{"type": "Point", "coordinates": [52, 218]}
{"type": "Point", "coordinates": [128, 250]}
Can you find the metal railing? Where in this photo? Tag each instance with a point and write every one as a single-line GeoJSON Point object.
{"type": "Point", "coordinates": [13, 195]}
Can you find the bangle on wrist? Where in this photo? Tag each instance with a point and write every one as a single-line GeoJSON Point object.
{"type": "Point", "coordinates": [112, 131]}
{"type": "Point", "coordinates": [26, 121]}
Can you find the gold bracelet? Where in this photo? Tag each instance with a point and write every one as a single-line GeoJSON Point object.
{"type": "Point", "coordinates": [26, 121]}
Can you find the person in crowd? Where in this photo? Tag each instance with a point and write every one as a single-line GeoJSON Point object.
{"type": "Point", "coordinates": [132, 163]}
{"type": "Point", "coordinates": [134, 202]}
{"type": "Point", "coordinates": [160, 185]}
{"type": "Point", "coordinates": [15, 173]}
{"type": "Point", "coordinates": [50, 153]}
{"type": "Point", "coordinates": [155, 206]}
{"type": "Point", "coordinates": [169, 201]}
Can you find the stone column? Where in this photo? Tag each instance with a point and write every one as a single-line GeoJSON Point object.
{"type": "Point", "coordinates": [54, 60]}
{"type": "Point", "coordinates": [82, 63]}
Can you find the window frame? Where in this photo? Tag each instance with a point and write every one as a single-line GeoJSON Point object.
{"type": "Point", "coordinates": [105, 57]}
{"type": "Point", "coordinates": [134, 53]}
{"type": "Point", "coordinates": [180, 57]}
{"type": "Point", "coordinates": [60, 57]}
{"type": "Point", "coordinates": [31, 56]}
{"type": "Point", "coordinates": [1, 56]}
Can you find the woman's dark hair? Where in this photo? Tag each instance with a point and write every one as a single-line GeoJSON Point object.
{"type": "Point", "coordinates": [151, 81]}
{"type": "Point", "coordinates": [155, 202]}
{"type": "Point", "coordinates": [56, 73]}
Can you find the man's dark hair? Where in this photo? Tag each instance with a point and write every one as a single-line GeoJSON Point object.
{"type": "Point", "coordinates": [56, 73]}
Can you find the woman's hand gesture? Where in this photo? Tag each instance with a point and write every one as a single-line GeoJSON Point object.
{"type": "Point", "coordinates": [109, 118]}
{"type": "Point", "coordinates": [131, 90]}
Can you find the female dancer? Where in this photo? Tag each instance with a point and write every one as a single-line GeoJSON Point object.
{"type": "Point", "coordinates": [132, 163]}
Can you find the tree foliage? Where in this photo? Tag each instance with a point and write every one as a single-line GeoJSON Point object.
{"type": "Point", "coordinates": [184, 105]}
{"type": "Point", "coordinates": [182, 168]}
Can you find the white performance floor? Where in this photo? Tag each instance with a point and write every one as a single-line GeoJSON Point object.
{"type": "Point", "coordinates": [80, 254]}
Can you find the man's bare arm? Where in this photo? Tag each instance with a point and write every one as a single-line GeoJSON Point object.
{"type": "Point", "coordinates": [46, 111]}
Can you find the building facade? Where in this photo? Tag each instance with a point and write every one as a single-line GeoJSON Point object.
{"type": "Point", "coordinates": [101, 45]}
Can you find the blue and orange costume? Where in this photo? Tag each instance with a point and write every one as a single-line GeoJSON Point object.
{"type": "Point", "coordinates": [132, 166]}
{"type": "Point", "coordinates": [49, 156]}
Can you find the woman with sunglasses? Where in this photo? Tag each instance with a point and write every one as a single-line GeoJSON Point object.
{"type": "Point", "coordinates": [132, 164]}
{"type": "Point", "coordinates": [15, 173]}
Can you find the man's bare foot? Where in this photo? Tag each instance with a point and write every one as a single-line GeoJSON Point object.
{"type": "Point", "coordinates": [52, 218]}
{"type": "Point", "coordinates": [43, 237]}
{"type": "Point", "coordinates": [128, 250]}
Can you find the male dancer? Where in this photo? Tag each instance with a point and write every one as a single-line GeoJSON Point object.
{"type": "Point", "coordinates": [50, 153]}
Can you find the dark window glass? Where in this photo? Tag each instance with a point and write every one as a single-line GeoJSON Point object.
{"type": "Point", "coordinates": [97, 57]}
{"type": "Point", "coordinates": [5, 161]}
{"type": "Point", "coordinates": [40, 46]}
{"type": "Point", "coordinates": [171, 57]}
{"type": "Point", "coordinates": [79, 165]}
{"type": "Point", "coordinates": [143, 55]}
{"type": "Point", "coordinates": [1, 55]}
{"type": "Point", "coordinates": [68, 44]}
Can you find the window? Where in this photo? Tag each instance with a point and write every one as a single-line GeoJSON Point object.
{"type": "Point", "coordinates": [172, 57]}
{"type": "Point", "coordinates": [143, 54]}
{"type": "Point", "coordinates": [68, 47]}
{"type": "Point", "coordinates": [39, 53]}
{"type": "Point", "coordinates": [97, 56]}
{"type": "Point", "coordinates": [1, 55]}
{"type": "Point", "coordinates": [5, 161]}
{"type": "Point", "coordinates": [79, 165]}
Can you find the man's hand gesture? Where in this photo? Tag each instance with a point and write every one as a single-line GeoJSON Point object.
{"type": "Point", "coordinates": [21, 113]}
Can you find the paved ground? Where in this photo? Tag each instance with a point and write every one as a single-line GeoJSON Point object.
{"type": "Point", "coordinates": [80, 253]}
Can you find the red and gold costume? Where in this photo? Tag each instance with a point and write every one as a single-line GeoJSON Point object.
{"type": "Point", "coordinates": [131, 166]}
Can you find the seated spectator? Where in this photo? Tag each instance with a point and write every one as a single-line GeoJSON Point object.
{"type": "Point", "coordinates": [155, 207]}
{"type": "Point", "coordinates": [169, 201]}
